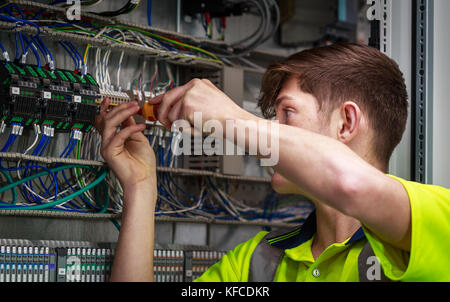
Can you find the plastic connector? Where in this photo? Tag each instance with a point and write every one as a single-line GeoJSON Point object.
{"type": "Point", "coordinates": [149, 112]}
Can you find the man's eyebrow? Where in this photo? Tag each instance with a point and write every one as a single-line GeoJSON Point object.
{"type": "Point", "coordinates": [282, 98]}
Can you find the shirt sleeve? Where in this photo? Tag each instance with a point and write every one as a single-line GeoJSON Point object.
{"type": "Point", "coordinates": [234, 265]}
{"type": "Point", "coordinates": [428, 258]}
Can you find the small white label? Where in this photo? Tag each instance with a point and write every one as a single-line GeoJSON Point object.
{"type": "Point", "coordinates": [77, 99]}
{"type": "Point", "coordinates": [47, 95]}
{"type": "Point", "coordinates": [15, 90]}
{"type": "Point", "coordinates": [61, 271]}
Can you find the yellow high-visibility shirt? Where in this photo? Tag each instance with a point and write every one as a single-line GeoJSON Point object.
{"type": "Point", "coordinates": [428, 260]}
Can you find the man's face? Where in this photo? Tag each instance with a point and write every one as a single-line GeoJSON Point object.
{"type": "Point", "coordinates": [298, 109]}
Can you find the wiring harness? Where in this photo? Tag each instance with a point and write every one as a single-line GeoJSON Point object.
{"type": "Point", "coordinates": [42, 175]}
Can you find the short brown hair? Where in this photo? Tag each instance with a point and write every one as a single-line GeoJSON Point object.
{"type": "Point", "coordinates": [347, 72]}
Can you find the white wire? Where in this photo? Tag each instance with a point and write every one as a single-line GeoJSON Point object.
{"type": "Point", "coordinates": [119, 69]}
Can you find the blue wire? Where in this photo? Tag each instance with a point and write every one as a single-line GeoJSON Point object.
{"type": "Point", "coordinates": [68, 145]}
{"type": "Point", "coordinates": [149, 12]}
{"type": "Point", "coordinates": [6, 7]}
{"type": "Point", "coordinates": [42, 48]}
{"type": "Point", "coordinates": [161, 156]}
{"type": "Point", "coordinates": [67, 151]}
{"type": "Point", "coordinates": [21, 43]}
{"type": "Point", "coordinates": [44, 147]}
{"type": "Point", "coordinates": [2, 47]}
{"type": "Point", "coordinates": [17, 45]}
{"type": "Point", "coordinates": [218, 193]}
{"type": "Point", "coordinates": [39, 40]}
{"type": "Point", "coordinates": [16, 20]}
{"type": "Point", "coordinates": [77, 54]}
{"type": "Point", "coordinates": [31, 167]}
{"type": "Point", "coordinates": [36, 54]}
{"type": "Point", "coordinates": [7, 144]}
{"type": "Point", "coordinates": [70, 53]}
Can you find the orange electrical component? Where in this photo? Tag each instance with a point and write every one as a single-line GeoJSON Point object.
{"type": "Point", "coordinates": [149, 112]}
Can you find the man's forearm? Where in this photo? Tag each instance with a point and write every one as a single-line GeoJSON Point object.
{"type": "Point", "coordinates": [323, 168]}
{"type": "Point", "coordinates": [133, 259]}
{"type": "Point", "coordinates": [329, 172]}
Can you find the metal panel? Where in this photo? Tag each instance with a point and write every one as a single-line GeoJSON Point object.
{"type": "Point", "coordinates": [422, 87]}
{"type": "Point", "coordinates": [400, 45]}
{"type": "Point", "coordinates": [441, 92]}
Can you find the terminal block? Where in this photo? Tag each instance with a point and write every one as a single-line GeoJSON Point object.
{"type": "Point", "coordinates": [59, 98]}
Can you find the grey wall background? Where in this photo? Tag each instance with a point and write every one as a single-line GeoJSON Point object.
{"type": "Point", "coordinates": [441, 106]}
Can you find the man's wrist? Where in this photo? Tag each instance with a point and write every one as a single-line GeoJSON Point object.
{"type": "Point", "coordinates": [141, 191]}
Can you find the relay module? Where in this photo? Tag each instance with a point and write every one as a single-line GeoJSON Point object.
{"type": "Point", "coordinates": [62, 99]}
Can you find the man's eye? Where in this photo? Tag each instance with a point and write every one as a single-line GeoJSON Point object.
{"type": "Point", "coordinates": [287, 112]}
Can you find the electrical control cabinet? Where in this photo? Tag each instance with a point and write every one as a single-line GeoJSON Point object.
{"type": "Point", "coordinates": [55, 183]}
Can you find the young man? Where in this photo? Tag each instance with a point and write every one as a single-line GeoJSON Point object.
{"type": "Point", "coordinates": [342, 110]}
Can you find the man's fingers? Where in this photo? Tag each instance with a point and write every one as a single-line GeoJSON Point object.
{"type": "Point", "coordinates": [157, 99]}
{"type": "Point", "coordinates": [129, 122]}
{"type": "Point", "coordinates": [138, 136]}
{"type": "Point", "coordinates": [170, 98]}
{"type": "Point", "coordinates": [103, 111]}
{"type": "Point", "coordinates": [104, 106]}
{"type": "Point", "coordinates": [209, 83]}
{"type": "Point", "coordinates": [116, 117]}
{"type": "Point", "coordinates": [175, 111]}
{"type": "Point", "coordinates": [116, 145]}
{"type": "Point", "coordinates": [122, 107]}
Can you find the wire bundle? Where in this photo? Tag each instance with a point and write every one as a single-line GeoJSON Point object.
{"type": "Point", "coordinates": [215, 200]}
{"type": "Point", "coordinates": [89, 189]}
{"type": "Point", "coordinates": [126, 9]}
{"type": "Point", "coordinates": [269, 14]}
{"type": "Point", "coordinates": [53, 188]}
{"type": "Point", "coordinates": [215, 203]}
{"type": "Point", "coordinates": [86, 189]}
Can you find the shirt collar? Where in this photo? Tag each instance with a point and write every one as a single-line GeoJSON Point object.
{"type": "Point", "coordinates": [306, 232]}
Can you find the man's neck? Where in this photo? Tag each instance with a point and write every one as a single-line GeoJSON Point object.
{"type": "Point", "coordinates": [332, 227]}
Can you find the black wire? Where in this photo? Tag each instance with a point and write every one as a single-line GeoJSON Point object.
{"type": "Point", "coordinates": [125, 9]}
{"type": "Point", "coordinates": [266, 9]}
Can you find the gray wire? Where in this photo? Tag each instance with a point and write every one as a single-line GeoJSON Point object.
{"type": "Point", "coordinates": [277, 20]}
{"type": "Point", "coordinates": [264, 36]}
{"type": "Point", "coordinates": [260, 25]}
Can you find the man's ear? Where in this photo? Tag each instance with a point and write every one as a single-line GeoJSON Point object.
{"type": "Point", "coordinates": [349, 123]}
